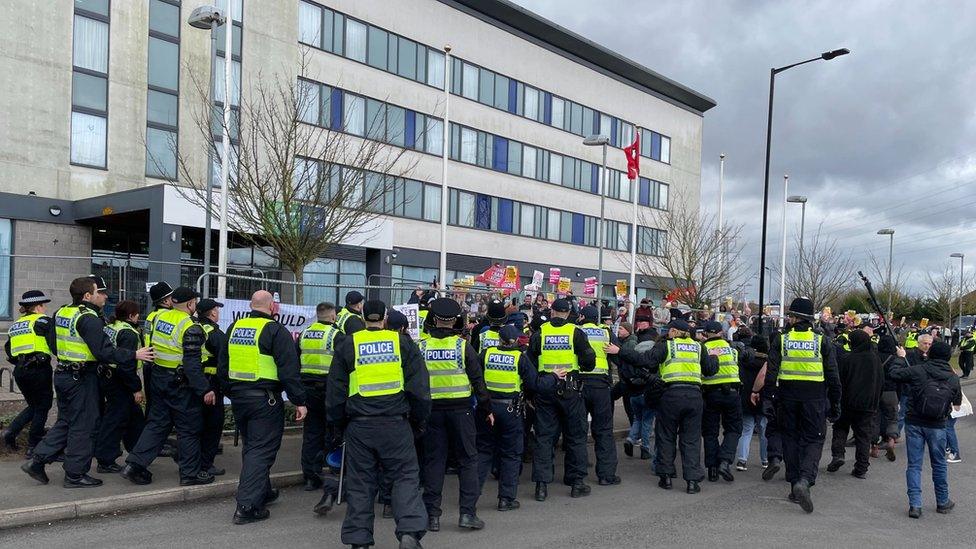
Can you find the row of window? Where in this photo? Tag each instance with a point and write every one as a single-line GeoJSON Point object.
{"type": "Point", "coordinates": [163, 95]}
{"type": "Point", "coordinates": [337, 33]}
{"type": "Point", "coordinates": [89, 83]}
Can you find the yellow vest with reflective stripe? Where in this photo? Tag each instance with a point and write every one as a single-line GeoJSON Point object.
{"type": "Point", "coordinates": [445, 364]}
{"type": "Point", "coordinates": [728, 363]}
{"type": "Point", "coordinates": [205, 355]}
{"type": "Point", "coordinates": [114, 329]}
{"type": "Point", "coordinates": [71, 348]}
{"type": "Point", "coordinates": [557, 348]}
{"type": "Point", "coordinates": [377, 364]}
{"type": "Point", "coordinates": [488, 339]}
{"type": "Point", "coordinates": [422, 320]}
{"type": "Point", "coordinates": [501, 370]}
{"type": "Point", "coordinates": [246, 362]}
{"type": "Point", "coordinates": [23, 340]}
{"type": "Point", "coordinates": [167, 337]}
{"type": "Point", "coordinates": [147, 326]}
{"type": "Point", "coordinates": [318, 346]}
{"type": "Point", "coordinates": [598, 337]}
{"type": "Point", "coordinates": [683, 363]}
{"type": "Point", "coordinates": [343, 317]}
{"type": "Point", "coordinates": [911, 340]}
{"type": "Point", "coordinates": [802, 359]}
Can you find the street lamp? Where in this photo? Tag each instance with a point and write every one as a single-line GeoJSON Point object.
{"type": "Point", "coordinates": [891, 251]}
{"type": "Point", "coordinates": [962, 261]}
{"type": "Point", "coordinates": [601, 141]}
{"type": "Point", "coordinates": [802, 201]}
{"type": "Point", "coordinates": [782, 260]}
{"type": "Point", "coordinates": [721, 231]}
{"type": "Point", "coordinates": [826, 56]}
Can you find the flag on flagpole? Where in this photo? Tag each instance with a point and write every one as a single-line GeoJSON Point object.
{"type": "Point", "coordinates": [632, 152]}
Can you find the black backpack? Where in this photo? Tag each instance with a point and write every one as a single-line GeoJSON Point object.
{"type": "Point", "coordinates": [934, 400]}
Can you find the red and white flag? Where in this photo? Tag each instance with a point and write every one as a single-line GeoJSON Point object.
{"type": "Point", "coordinates": [632, 152]}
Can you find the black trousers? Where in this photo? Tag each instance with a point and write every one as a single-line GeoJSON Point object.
{"type": "Point", "coordinates": [503, 440]}
{"type": "Point", "coordinates": [34, 382]}
{"type": "Point", "coordinates": [679, 422]}
{"type": "Point", "coordinates": [147, 378]}
{"type": "Point", "coordinates": [723, 409]}
{"type": "Point", "coordinates": [887, 417]}
{"type": "Point", "coordinates": [553, 414]}
{"type": "Point", "coordinates": [802, 425]}
{"type": "Point", "coordinates": [446, 430]}
{"type": "Point", "coordinates": [74, 431]}
{"type": "Point", "coordinates": [174, 405]}
{"type": "Point", "coordinates": [966, 363]}
{"type": "Point", "coordinates": [260, 416]}
{"type": "Point", "coordinates": [386, 480]}
{"type": "Point", "coordinates": [863, 424]}
{"type": "Point", "coordinates": [599, 404]}
{"type": "Point", "coordinates": [774, 442]}
{"type": "Point", "coordinates": [314, 430]}
{"type": "Point", "coordinates": [211, 430]}
{"type": "Point", "coordinates": [122, 421]}
{"type": "Point", "coordinates": [372, 444]}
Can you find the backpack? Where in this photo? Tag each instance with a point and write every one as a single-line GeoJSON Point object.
{"type": "Point", "coordinates": [933, 401]}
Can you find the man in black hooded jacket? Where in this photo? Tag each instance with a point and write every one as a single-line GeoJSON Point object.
{"type": "Point", "coordinates": [862, 380]}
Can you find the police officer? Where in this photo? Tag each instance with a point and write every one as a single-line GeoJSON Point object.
{"type": "Point", "coordinates": [911, 339]}
{"type": "Point", "coordinates": [28, 351]}
{"type": "Point", "coordinates": [804, 366]}
{"type": "Point", "coordinates": [179, 389]}
{"type": "Point", "coordinates": [397, 322]}
{"type": "Point", "coordinates": [966, 349]}
{"type": "Point", "coordinates": [123, 419]}
{"type": "Point", "coordinates": [316, 347]}
{"type": "Point", "coordinates": [350, 319]}
{"type": "Point", "coordinates": [596, 396]}
{"type": "Point", "coordinates": [681, 364]}
{"type": "Point", "coordinates": [723, 406]}
{"type": "Point", "coordinates": [510, 377]}
{"type": "Point", "coordinates": [455, 374]}
{"type": "Point", "coordinates": [378, 389]}
{"type": "Point", "coordinates": [80, 343]}
{"type": "Point", "coordinates": [161, 295]}
{"type": "Point", "coordinates": [488, 336]}
{"type": "Point", "coordinates": [208, 316]}
{"type": "Point", "coordinates": [561, 349]}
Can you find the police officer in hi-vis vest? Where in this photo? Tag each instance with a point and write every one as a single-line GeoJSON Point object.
{"type": "Point", "coordinates": [561, 349]}
{"type": "Point", "coordinates": [208, 316]}
{"type": "Point", "coordinates": [316, 347]}
{"type": "Point", "coordinates": [258, 363]}
{"type": "Point", "coordinates": [379, 392]}
{"type": "Point", "coordinates": [596, 396]}
{"type": "Point", "coordinates": [81, 344]}
{"type": "Point", "coordinates": [455, 374]}
{"type": "Point", "coordinates": [681, 363]}
{"type": "Point", "coordinates": [27, 350]}
{"type": "Point", "coordinates": [161, 295]}
{"type": "Point", "coordinates": [179, 389]}
{"type": "Point", "coordinates": [350, 319]}
{"type": "Point", "coordinates": [723, 406]}
{"type": "Point", "coordinates": [801, 378]}
{"type": "Point", "coordinates": [488, 336]}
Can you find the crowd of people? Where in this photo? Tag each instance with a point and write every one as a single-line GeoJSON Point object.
{"type": "Point", "coordinates": [474, 396]}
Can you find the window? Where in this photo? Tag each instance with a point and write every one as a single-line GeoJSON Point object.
{"type": "Point", "coordinates": [532, 103]}
{"type": "Point", "coordinates": [407, 67]}
{"type": "Point", "coordinates": [235, 76]}
{"type": "Point", "coordinates": [469, 146]}
{"type": "Point", "coordinates": [6, 232]}
{"type": "Point", "coordinates": [89, 93]}
{"type": "Point", "coordinates": [164, 63]}
{"type": "Point", "coordinates": [435, 68]}
{"type": "Point", "coordinates": [375, 120]}
{"type": "Point", "coordinates": [432, 203]}
{"type": "Point", "coordinates": [90, 44]}
{"type": "Point", "coordinates": [651, 241]}
{"type": "Point", "coordinates": [309, 102]}
{"type": "Point", "coordinates": [88, 136]}
{"type": "Point", "coordinates": [160, 153]}
{"type": "Point", "coordinates": [469, 81]}
{"type": "Point", "coordinates": [395, 125]}
{"type": "Point", "coordinates": [378, 46]}
{"type": "Point", "coordinates": [665, 149]}
{"type": "Point", "coordinates": [354, 118]}
{"type": "Point", "coordinates": [355, 40]}
{"type": "Point", "coordinates": [465, 215]}
{"type": "Point", "coordinates": [434, 136]}
{"type": "Point", "coordinates": [162, 103]}
{"type": "Point", "coordinates": [558, 108]}
{"type": "Point", "coordinates": [527, 220]}
{"type": "Point", "coordinates": [310, 24]}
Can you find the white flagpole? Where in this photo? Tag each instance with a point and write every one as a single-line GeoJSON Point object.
{"type": "Point", "coordinates": [633, 240]}
{"type": "Point", "coordinates": [442, 276]}
{"type": "Point", "coordinates": [225, 161]}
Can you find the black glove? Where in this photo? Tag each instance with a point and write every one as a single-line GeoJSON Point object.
{"type": "Point", "coordinates": [419, 428]}
{"type": "Point", "coordinates": [834, 414]}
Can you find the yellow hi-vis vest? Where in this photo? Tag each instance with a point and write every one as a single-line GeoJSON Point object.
{"type": "Point", "coordinates": [167, 337]}
{"type": "Point", "coordinates": [911, 340]}
{"type": "Point", "coordinates": [598, 336]}
{"type": "Point", "coordinates": [71, 348]}
{"type": "Point", "coordinates": [683, 363]}
{"type": "Point", "coordinates": [23, 340]}
{"type": "Point", "coordinates": [445, 364]}
{"type": "Point", "coordinates": [728, 363]}
{"type": "Point", "coordinates": [501, 370]}
{"type": "Point", "coordinates": [802, 359]}
{"type": "Point", "coordinates": [377, 364]}
{"type": "Point", "coordinates": [557, 348]}
{"type": "Point", "coordinates": [318, 345]}
{"type": "Point", "coordinates": [147, 326]}
{"type": "Point", "coordinates": [488, 339]}
{"type": "Point", "coordinates": [114, 329]}
{"type": "Point", "coordinates": [206, 357]}
{"type": "Point", "coordinates": [246, 362]}
{"type": "Point", "coordinates": [343, 317]}
{"type": "Point", "coordinates": [422, 320]}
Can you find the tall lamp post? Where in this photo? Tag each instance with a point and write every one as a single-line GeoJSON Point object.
{"type": "Point", "coordinates": [721, 224]}
{"type": "Point", "coordinates": [826, 56]}
{"type": "Point", "coordinates": [891, 252]}
{"type": "Point", "coordinates": [601, 141]}
{"type": "Point", "coordinates": [802, 201]}
{"type": "Point", "coordinates": [782, 259]}
{"type": "Point", "coordinates": [962, 266]}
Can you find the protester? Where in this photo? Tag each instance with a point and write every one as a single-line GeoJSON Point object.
{"type": "Point", "coordinates": [862, 381]}
{"type": "Point", "coordinates": [753, 419]}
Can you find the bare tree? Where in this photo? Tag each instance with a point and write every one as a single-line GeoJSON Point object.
{"type": "Point", "coordinates": [942, 290]}
{"type": "Point", "coordinates": [690, 255]}
{"type": "Point", "coordinates": [877, 271]}
{"type": "Point", "coordinates": [300, 184]}
{"type": "Point", "coordinates": [822, 275]}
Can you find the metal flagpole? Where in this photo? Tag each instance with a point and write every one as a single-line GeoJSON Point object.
{"type": "Point", "coordinates": [782, 266]}
{"type": "Point", "coordinates": [225, 161]}
{"type": "Point", "coordinates": [633, 240]}
{"type": "Point", "coordinates": [442, 276]}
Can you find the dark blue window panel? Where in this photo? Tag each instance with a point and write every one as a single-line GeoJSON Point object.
{"type": "Point", "coordinates": [596, 123]}
{"type": "Point", "coordinates": [613, 132]}
{"type": "Point", "coordinates": [410, 130]}
{"type": "Point", "coordinates": [336, 109]}
{"type": "Point", "coordinates": [499, 157]}
{"type": "Point", "coordinates": [482, 215]}
{"type": "Point", "coordinates": [595, 179]}
{"type": "Point", "coordinates": [655, 146]}
{"type": "Point", "coordinates": [512, 96]}
{"type": "Point", "coordinates": [505, 215]}
{"type": "Point", "coordinates": [578, 228]}
{"type": "Point", "coordinates": [547, 108]}
{"type": "Point", "coordinates": [644, 196]}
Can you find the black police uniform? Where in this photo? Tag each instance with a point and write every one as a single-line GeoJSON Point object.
{"type": "Point", "coordinates": [354, 323]}
{"type": "Point", "coordinates": [722, 412]}
{"type": "Point", "coordinates": [79, 400]}
{"type": "Point", "coordinates": [34, 375]}
{"type": "Point", "coordinates": [318, 437]}
{"type": "Point", "coordinates": [259, 411]}
{"type": "Point", "coordinates": [378, 434]}
{"type": "Point", "coordinates": [564, 412]}
{"type": "Point", "coordinates": [598, 399]}
{"type": "Point", "coordinates": [213, 414]}
{"type": "Point", "coordinates": [123, 419]}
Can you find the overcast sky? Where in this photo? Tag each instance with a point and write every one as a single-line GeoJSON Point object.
{"type": "Point", "coordinates": [884, 137]}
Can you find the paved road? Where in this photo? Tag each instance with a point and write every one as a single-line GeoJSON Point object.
{"type": "Point", "coordinates": [748, 512]}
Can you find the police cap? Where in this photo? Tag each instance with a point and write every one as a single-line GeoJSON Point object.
{"type": "Point", "coordinates": [184, 294]}
{"type": "Point", "coordinates": [373, 310]}
{"type": "Point", "coordinates": [679, 324]}
{"type": "Point", "coordinates": [496, 310]}
{"type": "Point", "coordinates": [590, 313]}
{"type": "Point", "coordinates": [561, 305]}
{"type": "Point", "coordinates": [99, 283]}
{"type": "Point", "coordinates": [396, 320]}
{"type": "Point", "coordinates": [354, 297]}
{"type": "Point", "coordinates": [206, 304]}
{"type": "Point", "coordinates": [509, 333]}
{"type": "Point", "coordinates": [160, 291]}
{"type": "Point", "coordinates": [444, 308]}
{"type": "Point", "coordinates": [713, 327]}
{"type": "Point", "coordinates": [33, 297]}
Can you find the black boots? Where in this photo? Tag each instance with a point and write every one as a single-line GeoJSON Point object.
{"type": "Point", "coordinates": [645, 453]}
{"type": "Point", "coordinates": [81, 481]}
{"type": "Point", "coordinates": [35, 470]}
{"type": "Point", "coordinates": [915, 512]}
{"type": "Point", "coordinates": [313, 483]}
{"type": "Point", "coordinates": [202, 477]}
{"type": "Point", "coordinates": [505, 504]}
{"type": "Point", "coordinates": [433, 524]}
{"type": "Point", "coordinates": [325, 504]}
{"type": "Point", "coordinates": [109, 468]}
{"type": "Point", "coordinates": [629, 448]}
{"type": "Point", "coordinates": [713, 474]}
{"type": "Point", "coordinates": [945, 508]}
{"type": "Point", "coordinates": [665, 482]}
{"type": "Point", "coordinates": [770, 472]}
{"type": "Point", "coordinates": [835, 465]}
{"type": "Point", "coordinates": [693, 487]}
{"type": "Point", "coordinates": [216, 471]}
{"type": "Point", "coordinates": [541, 491]}
{"type": "Point", "coordinates": [246, 514]}
{"type": "Point", "coordinates": [471, 522]}
{"type": "Point", "coordinates": [409, 541]}
{"type": "Point", "coordinates": [801, 491]}
{"type": "Point", "coordinates": [136, 474]}
{"type": "Point", "coordinates": [580, 489]}
{"type": "Point", "coordinates": [387, 511]}
{"type": "Point", "coordinates": [609, 481]}
{"type": "Point", "coordinates": [725, 471]}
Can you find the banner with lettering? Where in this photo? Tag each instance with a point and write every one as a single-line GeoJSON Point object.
{"type": "Point", "coordinates": [565, 285]}
{"type": "Point", "coordinates": [294, 317]}
{"type": "Point", "coordinates": [554, 273]}
{"type": "Point", "coordinates": [412, 313]}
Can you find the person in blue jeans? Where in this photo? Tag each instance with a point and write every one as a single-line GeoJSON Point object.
{"type": "Point", "coordinates": [925, 422]}
{"type": "Point", "coordinates": [635, 383]}
{"type": "Point", "coordinates": [753, 419]}
{"type": "Point", "coordinates": [640, 429]}
{"type": "Point", "coordinates": [917, 355]}
{"type": "Point", "coordinates": [952, 442]}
